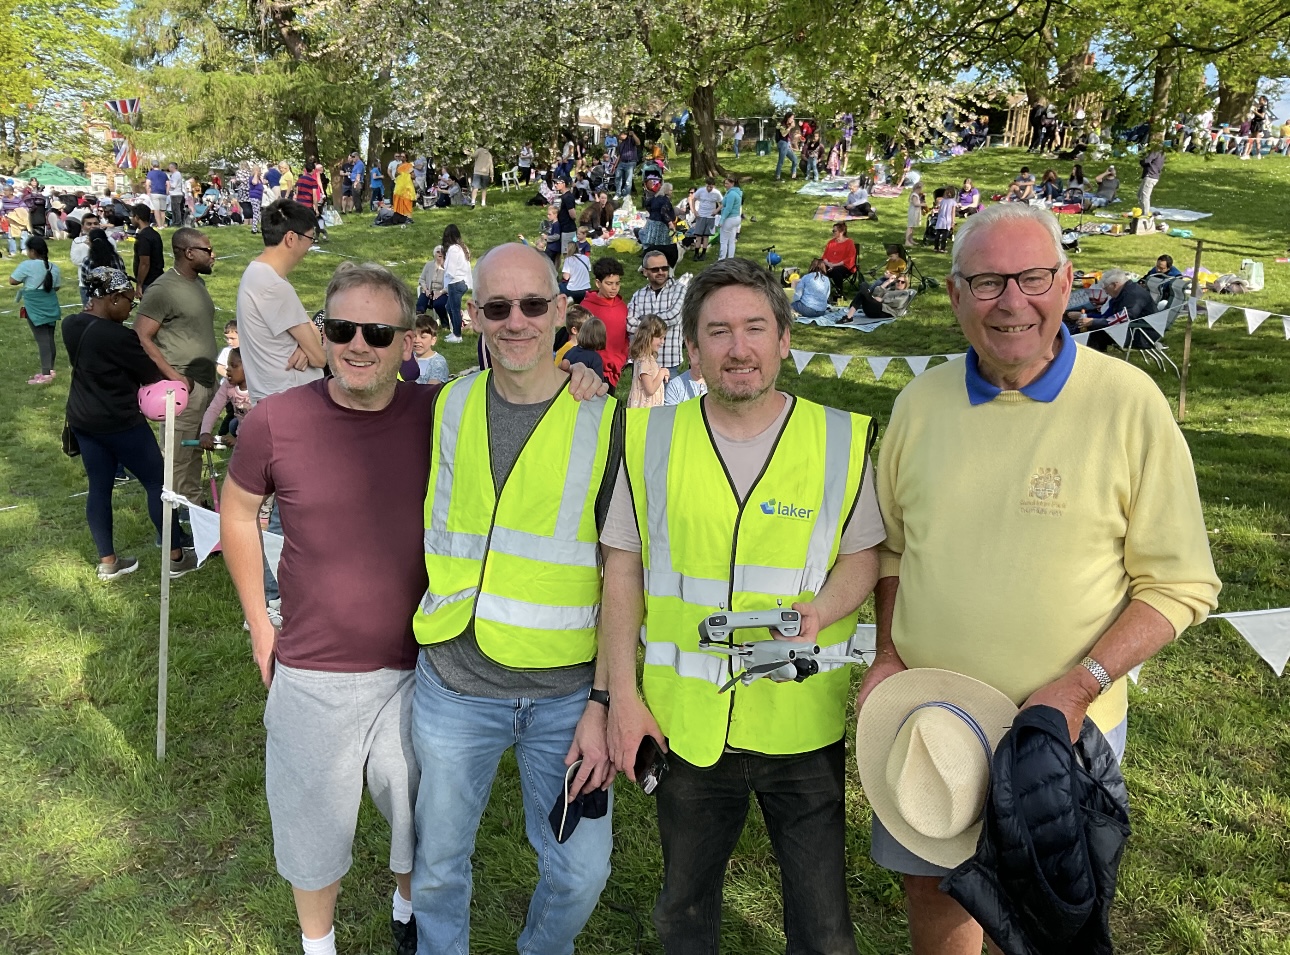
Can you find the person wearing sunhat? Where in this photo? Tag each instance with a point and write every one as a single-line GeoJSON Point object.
{"type": "Point", "coordinates": [109, 366]}
{"type": "Point", "coordinates": [1044, 537]}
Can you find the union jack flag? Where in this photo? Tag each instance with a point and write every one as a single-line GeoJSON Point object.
{"type": "Point", "coordinates": [124, 155]}
{"type": "Point", "coordinates": [123, 107]}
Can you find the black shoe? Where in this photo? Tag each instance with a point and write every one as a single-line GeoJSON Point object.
{"type": "Point", "coordinates": [405, 936]}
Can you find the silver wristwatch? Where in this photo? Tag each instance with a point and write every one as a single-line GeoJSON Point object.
{"type": "Point", "coordinates": [1099, 673]}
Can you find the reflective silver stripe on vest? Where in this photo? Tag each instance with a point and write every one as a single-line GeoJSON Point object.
{"type": "Point", "coordinates": [521, 613]}
{"type": "Point", "coordinates": [446, 450]}
{"type": "Point", "coordinates": [700, 666]}
{"type": "Point", "coordinates": [658, 446]}
{"type": "Point", "coordinates": [582, 464]}
{"type": "Point", "coordinates": [751, 579]}
{"type": "Point", "coordinates": [692, 590]}
{"type": "Point", "coordinates": [455, 544]}
{"type": "Point", "coordinates": [432, 602]}
{"type": "Point", "coordinates": [837, 454]}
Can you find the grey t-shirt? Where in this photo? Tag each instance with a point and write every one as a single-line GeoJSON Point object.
{"type": "Point", "coordinates": [267, 309]}
{"type": "Point", "coordinates": [460, 663]}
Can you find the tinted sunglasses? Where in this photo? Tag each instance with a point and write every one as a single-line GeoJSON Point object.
{"type": "Point", "coordinates": [533, 306]}
{"type": "Point", "coordinates": [341, 332]}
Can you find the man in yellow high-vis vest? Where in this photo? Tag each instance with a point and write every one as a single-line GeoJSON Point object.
{"type": "Point", "coordinates": [520, 478]}
{"type": "Point", "coordinates": [746, 499]}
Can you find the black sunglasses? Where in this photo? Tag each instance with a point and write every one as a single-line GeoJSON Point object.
{"type": "Point", "coordinates": [339, 331]}
{"type": "Point", "coordinates": [533, 306]}
{"type": "Point", "coordinates": [305, 235]}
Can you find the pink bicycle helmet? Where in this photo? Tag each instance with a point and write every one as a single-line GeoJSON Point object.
{"type": "Point", "coordinates": [152, 399]}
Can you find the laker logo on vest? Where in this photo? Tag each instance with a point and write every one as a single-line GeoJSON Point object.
{"type": "Point", "coordinates": [787, 510]}
{"type": "Point", "coordinates": [520, 564]}
{"type": "Point", "coordinates": [706, 551]}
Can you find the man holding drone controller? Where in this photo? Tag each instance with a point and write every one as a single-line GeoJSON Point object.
{"type": "Point", "coordinates": [746, 500]}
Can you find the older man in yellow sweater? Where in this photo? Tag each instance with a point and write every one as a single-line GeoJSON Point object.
{"type": "Point", "coordinates": [1044, 531]}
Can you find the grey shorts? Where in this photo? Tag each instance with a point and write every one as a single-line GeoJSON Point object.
{"type": "Point", "coordinates": [159, 203]}
{"type": "Point", "coordinates": [890, 854]}
{"type": "Point", "coordinates": [481, 182]}
{"type": "Point", "coordinates": [325, 732]}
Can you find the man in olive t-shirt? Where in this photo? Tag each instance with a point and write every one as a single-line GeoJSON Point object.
{"type": "Point", "coordinates": [176, 326]}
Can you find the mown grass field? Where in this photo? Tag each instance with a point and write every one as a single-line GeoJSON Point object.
{"type": "Point", "coordinates": [102, 850]}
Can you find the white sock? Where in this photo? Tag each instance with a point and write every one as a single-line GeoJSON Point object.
{"type": "Point", "coordinates": [320, 946]}
{"type": "Point", "coordinates": [402, 907]}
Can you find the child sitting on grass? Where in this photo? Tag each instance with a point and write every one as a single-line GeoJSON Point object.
{"type": "Point", "coordinates": [586, 342]}
{"type": "Point", "coordinates": [432, 366]}
{"type": "Point", "coordinates": [232, 390]}
{"type": "Point", "coordinates": [567, 337]}
{"type": "Point", "coordinates": [648, 378]}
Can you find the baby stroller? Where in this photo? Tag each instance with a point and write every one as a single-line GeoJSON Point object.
{"type": "Point", "coordinates": [209, 214]}
{"type": "Point", "coordinates": [913, 271]}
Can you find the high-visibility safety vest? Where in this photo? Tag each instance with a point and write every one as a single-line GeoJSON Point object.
{"type": "Point", "coordinates": [522, 565]}
{"type": "Point", "coordinates": [705, 551]}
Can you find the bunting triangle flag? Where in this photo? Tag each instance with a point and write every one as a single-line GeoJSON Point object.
{"type": "Point", "coordinates": [205, 527]}
{"type": "Point", "coordinates": [1158, 321]}
{"type": "Point", "coordinates": [959, 354]}
{"type": "Point", "coordinates": [1119, 333]}
{"type": "Point", "coordinates": [1082, 337]}
{"type": "Point", "coordinates": [1135, 673]}
{"type": "Point", "coordinates": [1191, 308]}
{"type": "Point", "coordinates": [878, 366]}
{"type": "Point", "coordinates": [1254, 317]}
{"type": "Point", "coordinates": [1285, 323]}
{"type": "Point", "coordinates": [801, 358]}
{"type": "Point", "coordinates": [1214, 311]}
{"type": "Point", "coordinates": [918, 363]}
{"type": "Point", "coordinates": [1267, 631]}
{"type": "Point", "coordinates": [840, 363]}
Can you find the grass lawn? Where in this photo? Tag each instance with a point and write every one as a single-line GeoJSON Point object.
{"type": "Point", "coordinates": [104, 851]}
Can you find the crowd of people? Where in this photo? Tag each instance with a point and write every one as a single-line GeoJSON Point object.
{"type": "Point", "coordinates": [531, 534]}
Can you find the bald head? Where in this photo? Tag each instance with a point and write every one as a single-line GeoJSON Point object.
{"type": "Point", "coordinates": [502, 267]}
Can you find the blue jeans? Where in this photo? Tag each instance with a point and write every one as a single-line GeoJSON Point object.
{"type": "Point", "coordinates": [624, 177]}
{"type": "Point", "coordinates": [456, 291]}
{"type": "Point", "coordinates": [785, 153]}
{"type": "Point", "coordinates": [813, 168]}
{"type": "Point", "coordinates": [735, 144]}
{"type": "Point", "coordinates": [459, 741]}
{"type": "Point", "coordinates": [270, 581]}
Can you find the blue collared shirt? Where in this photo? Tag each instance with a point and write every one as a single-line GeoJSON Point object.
{"type": "Point", "coordinates": [1044, 388]}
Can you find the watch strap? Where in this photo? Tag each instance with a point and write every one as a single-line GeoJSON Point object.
{"type": "Point", "coordinates": [1099, 673]}
{"type": "Point", "coordinates": [598, 696]}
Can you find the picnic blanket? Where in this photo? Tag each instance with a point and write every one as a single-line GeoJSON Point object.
{"type": "Point", "coordinates": [886, 190]}
{"type": "Point", "coordinates": [833, 214]}
{"type": "Point", "coordinates": [1179, 215]}
{"type": "Point", "coordinates": [828, 186]}
{"type": "Point", "coordinates": [830, 320]}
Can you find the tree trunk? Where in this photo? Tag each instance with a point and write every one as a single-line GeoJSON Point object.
{"type": "Point", "coordinates": [1234, 102]}
{"type": "Point", "coordinates": [1163, 83]}
{"type": "Point", "coordinates": [308, 123]}
{"type": "Point", "coordinates": [703, 151]}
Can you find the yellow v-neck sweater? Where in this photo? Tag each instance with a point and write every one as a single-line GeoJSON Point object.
{"type": "Point", "coordinates": [1021, 529]}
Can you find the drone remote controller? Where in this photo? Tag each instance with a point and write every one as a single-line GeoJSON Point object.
{"type": "Point", "coordinates": [719, 626]}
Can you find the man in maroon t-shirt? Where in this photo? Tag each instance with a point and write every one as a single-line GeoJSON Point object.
{"type": "Point", "coordinates": [348, 458]}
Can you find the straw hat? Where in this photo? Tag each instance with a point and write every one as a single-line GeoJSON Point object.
{"type": "Point", "coordinates": [924, 744]}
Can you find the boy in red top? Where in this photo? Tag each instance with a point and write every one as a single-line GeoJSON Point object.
{"type": "Point", "coordinates": [608, 306]}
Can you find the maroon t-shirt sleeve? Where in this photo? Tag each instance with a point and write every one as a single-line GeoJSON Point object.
{"type": "Point", "coordinates": [250, 468]}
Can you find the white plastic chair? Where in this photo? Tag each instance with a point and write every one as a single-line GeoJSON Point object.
{"type": "Point", "coordinates": [511, 179]}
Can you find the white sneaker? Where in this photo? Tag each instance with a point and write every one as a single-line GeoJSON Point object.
{"type": "Point", "coordinates": [274, 610]}
{"type": "Point", "coordinates": [455, 339]}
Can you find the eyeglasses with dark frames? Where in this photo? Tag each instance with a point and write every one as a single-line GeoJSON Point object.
{"type": "Point", "coordinates": [987, 286]}
{"type": "Point", "coordinates": [341, 331]}
{"type": "Point", "coordinates": [532, 306]}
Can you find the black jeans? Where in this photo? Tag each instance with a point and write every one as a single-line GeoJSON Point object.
{"type": "Point", "coordinates": [866, 303]}
{"type": "Point", "coordinates": [137, 450]}
{"type": "Point", "coordinates": [701, 813]}
{"type": "Point", "coordinates": [178, 210]}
